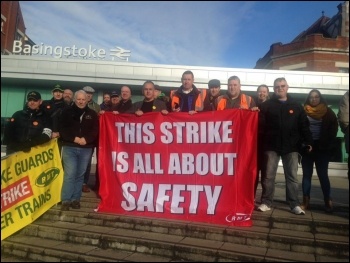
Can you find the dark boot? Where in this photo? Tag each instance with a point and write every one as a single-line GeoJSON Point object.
{"type": "Point", "coordinates": [75, 204]}
{"type": "Point", "coordinates": [65, 206]}
{"type": "Point", "coordinates": [306, 203]}
{"type": "Point", "coordinates": [328, 206]}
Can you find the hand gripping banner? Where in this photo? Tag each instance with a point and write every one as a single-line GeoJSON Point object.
{"type": "Point", "coordinates": [198, 168]}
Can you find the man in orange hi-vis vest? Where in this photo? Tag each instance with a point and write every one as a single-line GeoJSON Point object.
{"type": "Point", "coordinates": [187, 98]}
{"type": "Point", "coordinates": [234, 98]}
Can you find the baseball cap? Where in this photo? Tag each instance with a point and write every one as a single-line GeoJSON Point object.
{"type": "Point", "coordinates": [58, 88]}
{"type": "Point", "coordinates": [214, 83]}
{"type": "Point", "coordinates": [114, 94]}
{"type": "Point", "coordinates": [33, 95]}
{"type": "Point", "coordinates": [157, 87]}
{"type": "Point", "coordinates": [88, 89]}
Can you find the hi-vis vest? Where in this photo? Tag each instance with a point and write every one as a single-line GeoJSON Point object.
{"type": "Point", "coordinates": [244, 103]}
{"type": "Point", "coordinates": [199, 104]}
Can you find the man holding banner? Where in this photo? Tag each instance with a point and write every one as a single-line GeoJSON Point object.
{"type": "Point", "coordinates": [149, 103]}
{"type": "Point", "coordinates": [28, 127]}
{"type": "Point", "coordinates": [187, 98]}
{"type": "Point", "coordinates": [234, 98]}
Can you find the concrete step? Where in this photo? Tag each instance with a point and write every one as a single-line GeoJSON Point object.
{"type": "Point", "coordinates": [84, 235]}
{"type": "Point", "coordinates": [140, 247]}
{"type": "Point", "coordinates": [315, 221]}
{"type": "Point", "coordinates": [289, 234]}
{"type": "Point", "coordinates": [36, 249]}
{"type": "Point", "coordinates": [276, 235]}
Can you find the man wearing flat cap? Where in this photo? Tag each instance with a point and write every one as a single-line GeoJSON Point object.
{"type": "Point", "coordinates": [28, 127]}
{"type": "Point", "coordinates": [212, 94]}
{"type": "Point", "coordinates": [91, 103]}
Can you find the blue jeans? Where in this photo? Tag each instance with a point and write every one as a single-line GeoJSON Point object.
{"type": "Point", "coordinates": [75, 161]}
{"type": "Point", "coordinates": [321, 160]}
{"type": "Point", "coordinates": [290, 167]}
{"type": "Point", "coordinates": [88, 169]}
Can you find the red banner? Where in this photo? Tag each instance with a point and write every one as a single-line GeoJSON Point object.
{"type": "Point", "coordinates": [187, 167]}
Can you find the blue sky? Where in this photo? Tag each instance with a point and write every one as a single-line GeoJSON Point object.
{"type": "Point", "coordinates": [230, 34]}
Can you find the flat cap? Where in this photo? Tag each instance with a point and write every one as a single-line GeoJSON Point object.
{"type": "Point", "coordinates": [214, 83]}
{"type": "Point", "coordinates": [88, 89]}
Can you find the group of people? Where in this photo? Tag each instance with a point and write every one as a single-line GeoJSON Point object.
{"type": "Point", "coordinates": [287, 130]}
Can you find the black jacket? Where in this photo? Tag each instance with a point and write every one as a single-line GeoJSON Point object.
{"type": "Point", "coordinates": [124, 106]}
{"type": "Point", "coordinates": [76, 122]}
{"type": "Point", "coordinates": [27, 128]}
{"type": "Point", "coordinates": [210, 102]}
{"type": "Point", "coordinates": [284, 126]}
{"type": "Point", "coordinates": [158, 106]}
{"type": "Point", "coordinates": [54, 109]}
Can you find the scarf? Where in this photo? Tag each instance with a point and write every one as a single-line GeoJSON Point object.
{"type": "Point", "coordinates": [316, 112]}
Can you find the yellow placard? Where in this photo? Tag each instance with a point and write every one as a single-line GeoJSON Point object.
{"type": "Point", "coordinates": [31, 184]}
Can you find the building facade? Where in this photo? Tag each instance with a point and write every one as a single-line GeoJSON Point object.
{"type": "Point", "coordinates": [21, 73]}
{"type": "Point", "coordinates": [12, 26]}
{"type": "Point", "coordinates": [324, 46]}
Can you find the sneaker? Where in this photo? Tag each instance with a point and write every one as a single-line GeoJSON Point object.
{"type": "Point", "coordinates": [263, 208]}
{"type": "Point", "coordinates": [298, 211]}
{"type": "Point", "coordinates": [65, 206]}
{"type": "Point", "coordinates": [75, 204]}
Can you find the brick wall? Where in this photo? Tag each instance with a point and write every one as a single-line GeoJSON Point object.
{"type": "Point", "coordinates": [318, 52]}
{"type": "Point", "coordinates": [14, 20]}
